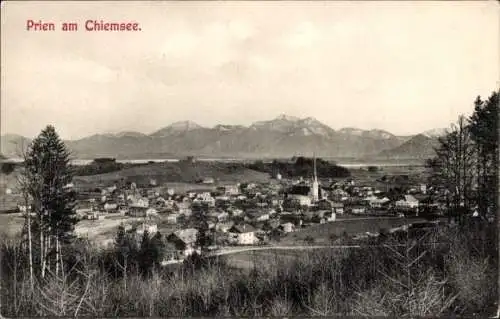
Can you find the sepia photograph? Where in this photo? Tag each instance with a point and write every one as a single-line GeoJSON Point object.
{"type": "Point", "coordinates": [249, 159]}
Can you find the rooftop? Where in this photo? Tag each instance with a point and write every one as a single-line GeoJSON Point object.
{"type": "Point", "coordinates": [243, 228]}
{"type": "Point", "coordinates": [188, 236]}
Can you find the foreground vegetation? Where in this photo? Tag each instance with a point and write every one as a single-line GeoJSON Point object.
{"type": "Point", "coordinates": [382, 279]}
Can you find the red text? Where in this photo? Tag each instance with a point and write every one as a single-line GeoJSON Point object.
{"type": "Point", "coordinates": [40, 26]}
{"type": "Point", "coordinates": [94, 25]}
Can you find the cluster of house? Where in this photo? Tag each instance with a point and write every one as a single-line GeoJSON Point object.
{"type": "Point", "coordinates": [252, 213]}
{"type": "Point", "coordinates": [241, 214]}
{"type": "Point", "coordinates": [347, 197]}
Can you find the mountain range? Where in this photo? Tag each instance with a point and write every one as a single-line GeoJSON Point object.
{"type": "Point", "coordinates": [283, 136]}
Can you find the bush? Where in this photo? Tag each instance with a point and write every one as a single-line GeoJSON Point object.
{"type": "Point", "coordinates": [8, 168]}
{"type": "Point", "coordinates": [372, 169]}
{"type": "Point", "coordinates": [370, 281]}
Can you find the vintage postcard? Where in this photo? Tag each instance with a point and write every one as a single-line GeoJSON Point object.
{"type": "Point", "coordinates": [249, 158]}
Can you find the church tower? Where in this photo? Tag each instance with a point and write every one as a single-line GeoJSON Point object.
{"type": "Point", "coordinates": [315, 184]}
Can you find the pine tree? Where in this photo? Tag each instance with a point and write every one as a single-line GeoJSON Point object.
{"type": "Point", "coordinates": [157, 249]}
{"type": "Point", "coordinates": [202, 239]}
{"type": "Point", "coordinates": [47, 173]}
{"type": "Point", "coordinates": [484, 133]}
{"type": "Point", "coordinates": [145, 258]}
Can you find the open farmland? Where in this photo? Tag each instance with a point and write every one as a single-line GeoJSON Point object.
{"type": "Point", "coordinates": [9, 202]}
{"type": "Point", "coordinates": [100, 230]}
{"type": "Point", "coordinates": [178, 172]}
{"type": "Point", "coordinates": [11, 224]}
{"type": "Point", "coordinates": [362, 176]}
{"type": "Point", "coordinates": [322, 233]}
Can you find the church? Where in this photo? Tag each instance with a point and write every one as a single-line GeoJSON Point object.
{"type": "Point", "coordinates": [306, 194]}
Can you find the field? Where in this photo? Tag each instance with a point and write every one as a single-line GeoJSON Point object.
{"type": "Point", "coordinates": [416, 174]}
{"type": "Point", "coordinates": [261, 259]}
{"type": "Point", "coordinates": [179, 172]}
{"type": "Point", "coordinates": [101, 231]}
{"type": "Point", "coordinates": [10, 224]}
{"type": "Point", "coordinates": [322, 233]}
{"type": "Point", "coordinates": [9, 181]}
{"type": "Point", "coordinates": [98, 231]}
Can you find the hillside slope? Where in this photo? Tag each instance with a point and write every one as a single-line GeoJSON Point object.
{"type": "Point", "coordinates": [179, 172]}
{"type": "Point", "coordinates": [419, 146]}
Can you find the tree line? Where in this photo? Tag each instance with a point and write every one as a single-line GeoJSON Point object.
{"type": "Point", "coordinates": [99, 166]}
{"type": "Point", "coordinates": [301, 167]}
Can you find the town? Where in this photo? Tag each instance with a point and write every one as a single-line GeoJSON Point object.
{"type": "Point", "coordinates": [251, 159]}
{"type": "Point", "coordinates": [245, 213]}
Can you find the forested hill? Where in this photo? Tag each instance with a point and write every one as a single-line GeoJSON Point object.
{"type": "Point", "coordinates": [301, 166]}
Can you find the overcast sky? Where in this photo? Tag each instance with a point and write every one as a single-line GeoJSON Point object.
{"type": "Point", "coordinates": [405, 67]}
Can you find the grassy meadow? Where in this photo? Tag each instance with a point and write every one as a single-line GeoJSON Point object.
{"type": "Point", "coordinates": [175, 172]}
{"type": "Point", "coordinates": [328, 232]}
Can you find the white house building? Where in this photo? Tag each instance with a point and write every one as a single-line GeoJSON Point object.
{"type": "Point", "coordinates": [409, 202]}
{"type": "Point", "coordinates": [243, 234]}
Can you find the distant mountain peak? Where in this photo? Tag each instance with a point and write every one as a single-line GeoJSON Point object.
{"type": "Point", "coordinates": [284, 117]}
{"type": "Point", "coordinates": [373, 133]}
{"type": "Point", "coordinates": [176, 128]}
{"type": "Point", "coordinates": [185, 125]}
{"type": "Point", "coordinates": [227, 127]}
{"type": "Point", "coordinates": [434, 133]}
{"type": "Point", "coordinates": [418, 146]}
{"type": "Point", "coordinates": [129, 134]}
{"type": "Point", "coordinates": [421, 137]}
{"type": "Point", "coordinates": [377, 133]}
{"type": "Point", "coordinates": [351, 130]}
{"type": "Point", "coordinates": [310, 120]}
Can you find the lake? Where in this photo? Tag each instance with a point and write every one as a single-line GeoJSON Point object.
{"type": "Point", "coordinates": [393, 163]}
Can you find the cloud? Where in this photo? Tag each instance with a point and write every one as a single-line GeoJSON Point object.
{"type": "Point", "coordinates": [348, 64]}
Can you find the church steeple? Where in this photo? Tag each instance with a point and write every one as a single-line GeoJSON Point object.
{"type": "Point", "coordinates": [315, 184]}
{"type": "Point", "coordinates": [315, 173]}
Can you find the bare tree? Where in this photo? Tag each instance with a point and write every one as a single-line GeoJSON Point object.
{"type": "Point", "coordinates": [453, 168]}
{"type": "Point", "coordinates": [23, 184]}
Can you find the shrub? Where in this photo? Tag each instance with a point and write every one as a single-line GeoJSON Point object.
{"type": "Point", "coordinates": [8, 168]}
{"type": "Point", "coordinates": [367, 281]}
